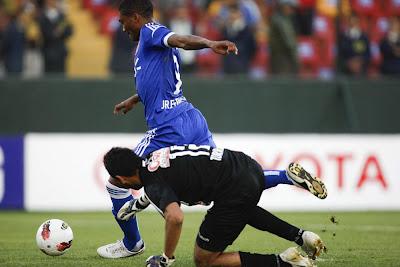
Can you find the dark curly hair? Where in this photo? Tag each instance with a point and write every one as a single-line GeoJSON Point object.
{"type": "Point", "coordinates": [141, 7]}
{"type": "Point", "coordinates": [121, 161]}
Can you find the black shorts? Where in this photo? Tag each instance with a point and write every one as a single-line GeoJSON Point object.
{"type": "Point", "coordinates": [226, 219]}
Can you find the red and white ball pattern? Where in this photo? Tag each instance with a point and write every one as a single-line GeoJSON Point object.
{"type": "Point", "coordinates": [54, 237]}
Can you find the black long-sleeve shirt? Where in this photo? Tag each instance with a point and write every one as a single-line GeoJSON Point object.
{"type": "Point", "coordinates": [199, 174]}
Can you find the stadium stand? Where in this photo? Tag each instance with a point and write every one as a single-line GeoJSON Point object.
{"type": "Point", "coordinates": [308, 56]}
{"type": "Point", "coordinates": [96, 21]}
{"type": "Point", "coordinates": [90, 51]}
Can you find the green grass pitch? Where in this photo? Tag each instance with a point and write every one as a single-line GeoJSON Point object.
{"type": "Point", "coordinates": [357, 239]}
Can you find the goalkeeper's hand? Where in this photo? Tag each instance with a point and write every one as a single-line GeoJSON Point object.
{"type": "Point", "coordinates": [159, 261]}
{"type": "Point", "coordinates": [130, 208]}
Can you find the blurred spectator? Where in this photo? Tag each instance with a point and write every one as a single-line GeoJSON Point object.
{"type": "Point", "coordinates": [305, 17]}
{"type": "Point", "coordinates": [181, 23]}
{"type": "Point", "coordinates": [390, 48]}
{"type": "Point", "coordinates": [163, 9]}
{"type": "Point", "coordinates": [237, 31]}
{"type": "Point", "coordinates": [283, 43]}
{"type": "Point", "coordinates": [122, 52]}
{"type": "Point", "coordinates": [33, 60]}
{"type": "Point", "coordinates": [3, 25]}
{"type": "Point", "coordinates": [248, 9]}
{"type": "Point", "coordinates": [55, 30]}
{"type": "Point", "coordinates": [354, 48]}
{"type": "Point", "coordinates": [207, 62]}
{"type": "Point", "coordinates": [12, 42]}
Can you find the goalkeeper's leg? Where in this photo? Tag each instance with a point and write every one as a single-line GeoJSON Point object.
{"type": "Point", "coordinates": [288, 258]}
{"type": "Point", "coordinates": [224, 222]}
{"type": "Point", "coordinates": [263, 220]}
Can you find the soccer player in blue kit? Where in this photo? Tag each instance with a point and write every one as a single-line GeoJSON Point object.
{"type": "Point", "coordinates": [171, 119]}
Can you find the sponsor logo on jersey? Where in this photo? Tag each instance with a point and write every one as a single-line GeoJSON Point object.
{"type": "Point", "coordinates": [159, 158]}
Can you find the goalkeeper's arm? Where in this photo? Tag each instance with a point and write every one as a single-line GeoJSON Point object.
{"type": "Point", "coordinates": [130, 208]}
{"type": "Point", "coordinates": [173, 227]}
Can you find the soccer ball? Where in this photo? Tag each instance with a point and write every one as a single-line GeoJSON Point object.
{"type": "Point", "coordinates": [54, 237]}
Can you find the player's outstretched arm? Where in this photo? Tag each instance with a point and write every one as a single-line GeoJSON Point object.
{"type": "Point", "coordinates": [127, 104]}
{"type": "Point", "coordinates": [173, 226]}
{"type": "Point", "coordinates": [193, 42]}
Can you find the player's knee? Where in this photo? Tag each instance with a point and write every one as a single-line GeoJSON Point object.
{"type": "Point", "coordinates": [173, 214]}
{"type": "Point", "coordinates": [204, 258]}
{"type": "Point", "coordinates": [201, 260]}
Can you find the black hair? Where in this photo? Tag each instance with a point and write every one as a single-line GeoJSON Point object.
{"type": "Point", "coordinates": [141, 7]}
{"type": "Point", "coordinates": [121, 161]}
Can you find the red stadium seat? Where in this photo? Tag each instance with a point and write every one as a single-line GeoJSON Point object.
{"type": "Point", "coordinates": [99, 9]}
{"type": "Point", "coordinates": [260, 64]}
{"type": "Point", "coordinates": [323, 28]}
{"type": "Point", "coordinates": [326, 50]}
{"type": "Point", "coordinates": [307, 51]}
{"type": "Point", "coordinates": [324, 40]}
{"type": "Point", "coordinates": [206, 28]}
{"type": "Point", "coordinates": [365, 7]}
{"type": "Point", "coordinates": [376, 60]}
{"type": "Point", "coordinates": [308, 56]}
{"type": "Point", "coordinates": [380, 26]}
{"type": "Point", "coordinates": [393, 7]}
{"type": "Point", "coordinates": [307, 4]}
{"type": "Point", "coordinates": [208, 63]}
{"type": "Point", "coordinates": [109, 22]}
{"type": "Point", "coordinates": [86, 3]}
{"type": "Point", "coordinates": [376, 56]}
{"type": "Point", "coordinates": [261, 57]}
{"type": "Point", "coordinates": [194, 12]}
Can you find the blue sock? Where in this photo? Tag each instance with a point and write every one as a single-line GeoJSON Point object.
{"type": "Point", "coordinates": [274, 177]}
{"type": "Point", "coordinates": [119, 196]}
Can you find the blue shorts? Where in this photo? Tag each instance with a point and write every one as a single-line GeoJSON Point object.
{"type": "Point", "coordinates": [189, 127]}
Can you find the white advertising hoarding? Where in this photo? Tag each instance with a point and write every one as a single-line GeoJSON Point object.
{"type": "Point", "coordinates": [65, 171]}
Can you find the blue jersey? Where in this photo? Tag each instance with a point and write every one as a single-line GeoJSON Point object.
{"type": "Point", "coordinates": [157, 76]}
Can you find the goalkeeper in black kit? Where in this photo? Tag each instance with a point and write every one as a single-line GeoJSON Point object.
{"type": "Point", "coordinates": [200, 174]}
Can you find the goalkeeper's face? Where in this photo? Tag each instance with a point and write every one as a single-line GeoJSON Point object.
{"type": "Point", "coordinates": [132, 181]}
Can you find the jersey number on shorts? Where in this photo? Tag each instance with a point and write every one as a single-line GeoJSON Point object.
{"type": "Point", "coordinates": [177, 76]}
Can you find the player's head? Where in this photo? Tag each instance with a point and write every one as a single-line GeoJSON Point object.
{"type": "Point", "coordinates": [133, 15]}
{"type": "Point", "coordinates": [123, 164]}
{"type": "Point", "coordinates": [287, 7]}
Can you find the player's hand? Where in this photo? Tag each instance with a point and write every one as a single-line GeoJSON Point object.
{"type": "Point", "coordinates": [159, 261]}
{"type": "Point", "coordinates": [130, 208]}
{"type": "Point", "coordinates": [126, 105]}
{"type": "Point", "coordinates": [224, 47]}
